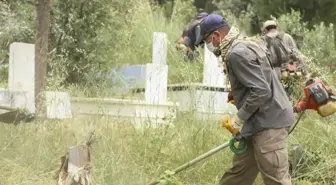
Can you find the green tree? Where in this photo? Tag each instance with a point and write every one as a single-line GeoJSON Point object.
{"type": "Point", "coordinates": [313, 11]}
{"type": "Point", "coordinates": [206, 5]}
{"type": "Point", "coordinates": [75, 35]}
{"type": "Point", "coordinates": [17, 25]}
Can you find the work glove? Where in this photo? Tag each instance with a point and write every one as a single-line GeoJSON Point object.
{"type": "Point", "coordinates": [181, 47]}
{"type": "Point", "coordinates": [233, 124]}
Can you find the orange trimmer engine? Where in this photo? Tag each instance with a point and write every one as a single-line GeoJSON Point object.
{"type": "Point", "coordinates": [318, 97]}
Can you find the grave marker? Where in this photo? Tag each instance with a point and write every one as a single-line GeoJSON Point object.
{"type": "Point", "coordinates": [21, 76]}
{"type": "Point", "coordinates": [21, 70]}
{"type": "Point", "coordinates": [156, 83]}
{"type": "Point", "coordinates": [21, 84]}
{"type": "Point", "coordinates": [159, 55]}
{"type": "Point", "coordinates": [157, 71]}
{"type": "Point", "coordinates": [212, 73]}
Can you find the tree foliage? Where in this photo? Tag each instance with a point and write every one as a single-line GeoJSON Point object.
{"type": "Point", "coordinates": [75, 35]}
{"type": "Point", "coordinates": [90, 36]}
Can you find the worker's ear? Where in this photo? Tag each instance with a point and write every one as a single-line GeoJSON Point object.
{"type": "Point", "coordinates": [216, 34]}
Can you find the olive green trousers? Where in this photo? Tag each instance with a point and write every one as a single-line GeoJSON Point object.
{"type": "Point", "coordinates": [267, 153]}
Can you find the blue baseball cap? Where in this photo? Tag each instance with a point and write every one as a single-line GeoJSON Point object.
{"type": "Point", "coordinates": [208, 25]}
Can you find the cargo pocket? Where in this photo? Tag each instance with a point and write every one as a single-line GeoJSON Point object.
{"type": "Point", "coordinates": [273, 158]}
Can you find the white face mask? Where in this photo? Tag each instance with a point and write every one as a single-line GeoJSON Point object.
{"type": "Point", "coordinates": [210, 46]}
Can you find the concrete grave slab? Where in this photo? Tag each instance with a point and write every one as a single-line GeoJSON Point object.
{"type": "Point", "coordinates": [58, 105]}
{"type": "Point", "coordinates": [139, 112]}
{"type": "Point", "coordinates": [206, 102]}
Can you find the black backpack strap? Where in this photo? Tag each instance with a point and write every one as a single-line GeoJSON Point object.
{"type": "Point", "coordinates": [280, 36]}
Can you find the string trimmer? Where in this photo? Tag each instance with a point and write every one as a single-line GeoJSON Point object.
{"type": "Point", "coordinates": [237, 150]}
{"type": "Point", "coordinates": [318, 97]}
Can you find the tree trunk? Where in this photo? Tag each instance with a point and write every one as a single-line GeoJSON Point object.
{"type": "Point", "coordinates": [334, 34]}
{"type": "Point", "coordinates": [41, 55]}
{"type": "Point", "coordinates": [334, 23]}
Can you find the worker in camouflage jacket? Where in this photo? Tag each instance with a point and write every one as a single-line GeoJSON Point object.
{"type": "Point", "coordinates": [290, 64]}
{"type": "Point", "coordinates": [264, 112]}
{"type": "Point", "coordinates": [186, 42]}
{"type": "Point", "coordinates": [284, 53]}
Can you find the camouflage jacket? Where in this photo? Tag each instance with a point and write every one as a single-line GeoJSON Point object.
{"type": "Point", "coordinates": [257, 91]}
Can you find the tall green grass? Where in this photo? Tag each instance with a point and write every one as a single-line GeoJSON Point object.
{"type": "Point", "coordinates": [30, 153]}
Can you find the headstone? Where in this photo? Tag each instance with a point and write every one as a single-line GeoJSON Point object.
{"type": "Point", "coordinates": [159, 55]}
{"type": "Point", "coordinates": [58, 105]}
{"type": "Point", "coordinates": [156, 83]}
{"type": "Point", "coordinates": [21, 76]}
{"type": "Point", "coordinates": [213, 73]}
{"type": "Point", "coordinates": [157, 71]}
{"type": "Point", "coordinates": [21, 71]}
{"type": "Point", "coordinates": [21, 84]}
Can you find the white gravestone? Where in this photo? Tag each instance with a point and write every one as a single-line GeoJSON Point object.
{"type": "Point", "coordinates": [159, 55]}
{"type": "Point", "coordinates": [213, 73]}
{"type": "Point", "coordinates": [21, 75]}
{"type": "Point", "coordinates": [156, 83]}
{"type": "Point", "coordinates": [21, 84]}
{"type": "Point", "coordinates": [157, 71]}
{"type": "Point", "coordinates": [21, 71]}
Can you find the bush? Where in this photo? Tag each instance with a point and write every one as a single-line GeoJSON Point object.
{"type": "Point", "coordinates": [135, 43]}
{"type": "Point", "coordinates": [3, 74]}
{"type": "Point", "coordinates": [122, 37]}
{"type": "Point", "coordinates": [16, 26]}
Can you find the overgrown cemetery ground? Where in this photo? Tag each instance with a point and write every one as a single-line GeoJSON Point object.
{"type": "Point", "coordinates": [30, 154]}
{"type": "Point", "coordinates": [125, 153]}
